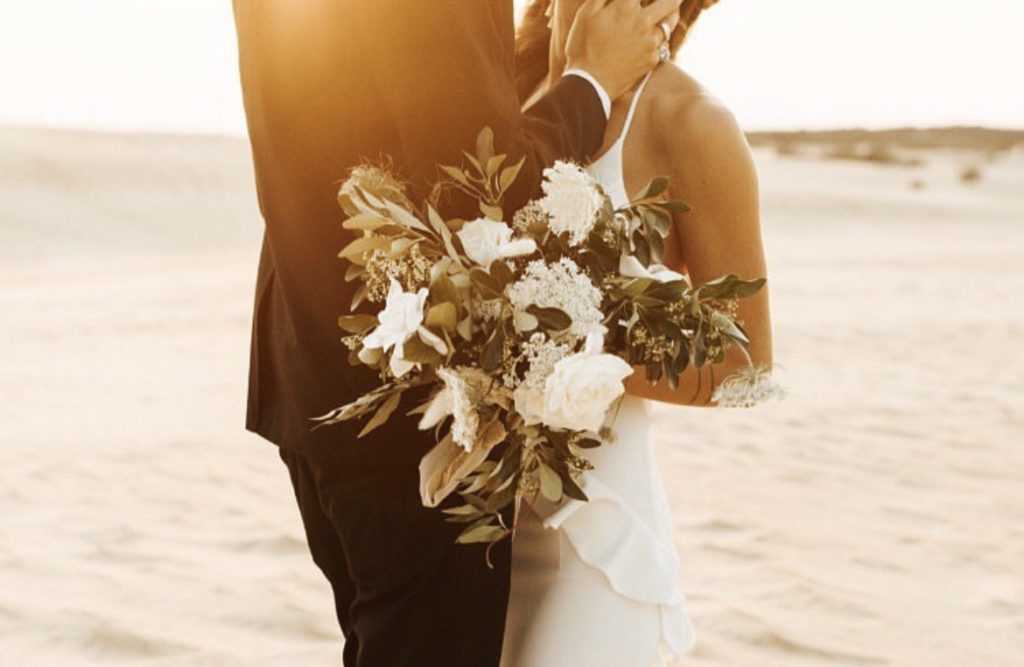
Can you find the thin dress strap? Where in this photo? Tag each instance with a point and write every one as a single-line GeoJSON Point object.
{"type": "Point", "coordinates": [633, 105]}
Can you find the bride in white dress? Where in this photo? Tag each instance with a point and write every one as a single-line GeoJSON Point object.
{"type": "Point", "coordinates": [595, 584]}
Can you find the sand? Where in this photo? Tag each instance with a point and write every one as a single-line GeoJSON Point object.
{"type": "Point", "coordinates": [876, 517]}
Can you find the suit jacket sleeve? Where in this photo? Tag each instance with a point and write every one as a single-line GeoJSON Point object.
{"type": "Point", "coordinates": [446, 69]}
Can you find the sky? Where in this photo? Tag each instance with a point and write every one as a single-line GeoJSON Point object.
{"type": "Point", "coordinates": [170, 65]}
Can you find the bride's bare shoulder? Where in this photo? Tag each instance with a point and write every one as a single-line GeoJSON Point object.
{"type": "Point", "coordinates": [688, 120]}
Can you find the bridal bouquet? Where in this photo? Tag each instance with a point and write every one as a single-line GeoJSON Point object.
{"type": "Point", "coordinates": [524, 330]}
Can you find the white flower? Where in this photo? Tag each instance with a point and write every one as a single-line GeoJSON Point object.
{"type": "Point", "coordinates": [578, 392]}
{"type": "Point", "coordinates": [529, 403]}
{"type": "Point", "coordinates": [459, 398]}
{"type": "Point", "coordinates": [572, 201]}
{"type": "Point", "coordinates": [560, 285]}
{"type": "Point", "coordinates": [401, 318]}
{"type": "Point", "coordinates": [465, 389]}
{"type": "Point", "coordinates": [487, 240]}
{"type": "Point", "coordinates": [630, 267]}
{"type": "Point", "coordinates": [747, 388]}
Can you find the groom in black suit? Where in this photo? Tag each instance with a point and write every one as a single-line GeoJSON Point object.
{"type": "Point", "coordinates": [327, 85]}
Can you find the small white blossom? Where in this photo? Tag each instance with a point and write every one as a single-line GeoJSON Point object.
{"type": "Point", "coordinates": [560, 285]}
{"type": "Point", "coordinates": [571, 200]}
{"type": "Point", "coordinates": [465, 388]}
{"type": "Point", "coordinates": [487, 240]}
{"type": "Point", "coordinates": [747, 388]}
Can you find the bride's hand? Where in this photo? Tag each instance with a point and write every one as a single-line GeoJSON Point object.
{"type": "Point", "coordinates": [617, 43]}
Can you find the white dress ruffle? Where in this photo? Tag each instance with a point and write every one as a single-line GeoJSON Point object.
{"type": "Point", "coordinates": [594, 584]}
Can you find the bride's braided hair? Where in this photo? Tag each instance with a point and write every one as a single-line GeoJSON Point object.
{"type": "Point", "coordinates": [533, 40]}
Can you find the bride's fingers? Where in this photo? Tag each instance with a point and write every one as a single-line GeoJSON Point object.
{"type": "Point", "coordinates": [662, 10]}
{"type": "Point", "coordinates": [591, 7]}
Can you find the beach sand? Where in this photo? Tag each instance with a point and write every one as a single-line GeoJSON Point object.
{"type": "Point", "coordinates": [875, 517]}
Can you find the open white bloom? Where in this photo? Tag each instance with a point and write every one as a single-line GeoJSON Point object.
{"type": "Point", "coordinates": [560, 285]}
{"type": "Point", "coordinates": [401, 318]}
{"type": "Point", "coordinates": [487, 240]}
{"type": "Point", "coordinates": [458, 398]}
{"type": "Point", "coordinates": [572, 201]}
{"type": "Point", "coordinates": [579, 390]}
{"type": "Point", "coordinates": [630, 267]}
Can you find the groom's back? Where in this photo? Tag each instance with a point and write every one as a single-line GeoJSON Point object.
{"type": "Point", "coordinates": [316, 106]}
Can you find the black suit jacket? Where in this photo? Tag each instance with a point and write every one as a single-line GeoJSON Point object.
{"type": "Point", "coordinates": [328, 84]}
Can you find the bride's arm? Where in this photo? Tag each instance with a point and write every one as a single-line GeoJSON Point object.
{"type": "Point", "coordinates": [712, 169]}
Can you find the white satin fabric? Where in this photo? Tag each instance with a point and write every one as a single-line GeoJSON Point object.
{"type": "Point", "coordinates": [594, 583]}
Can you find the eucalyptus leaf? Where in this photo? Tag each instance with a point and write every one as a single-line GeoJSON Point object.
{"type": "Point", "coordinates": [550, 483]}
{"type": "Point", "coordinates": [382, 414]}
{"type": "Point", "coordinates": [494, 164]}
{"type": "Point", "coordinates": [552, 319]}
{"type": "Point", "coordinates": [357, 324]}
{"type": "Point", "coordinates": [485, 284]}
{"type": "Point", "coordinates": [493, 352]}
{"type": "Point", "coordinates": [481, 535]}
{"type": "Point", "coordinates": [501, 273]}
{"type": "Point", "coordinates": [416, 351]}
{"type": "Point", "coordinates": [456, 174]}
{"type": "Point", "coordinates": [492, 212]}
{"type": "Point", "coordinates": [442, 316]}
{"type": "Point", "coordinates": [509, 175]}
{"type": "Point", "coordinates": [485, 145]}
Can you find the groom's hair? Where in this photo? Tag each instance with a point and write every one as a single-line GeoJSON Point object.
{"type": "Point", "coordinates": [533, 41]}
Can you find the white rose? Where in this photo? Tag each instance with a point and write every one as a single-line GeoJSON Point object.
{"type": "Point", "coordinates": [630, 267]}
{"type": "Point", "coordinates": [571, 200]}
{"type": "Point", "coordinates": [401, 318]}
{"type": "Point", "coordinates": [579, 390]}
{"type": "Point", "coordinates": [487, 240]}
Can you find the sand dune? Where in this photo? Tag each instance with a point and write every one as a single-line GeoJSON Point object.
{"type": "Point", "coordinates": [874, 518]}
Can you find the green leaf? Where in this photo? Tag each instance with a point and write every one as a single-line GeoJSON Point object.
{"type": "Point", "coordinates": [494, 350]}
{"type": "Point", "coordinates": [550, 483]}
{"type": "Point", "coordinates": [494, 164]}
{"type": "Point", "coordinates": [359, 296]}
{"type": "Point", "coordinates": [404, 218]}
{"type": "Point", "coordinates": [455, 174]}
{"type": "Point", "coordinates": [481, 534]}
{"type": "Point", "coordinates": [572, 489]}
{"type": "Point", "coordinates": [656, 187]}
{"type": "Point", "coordinates": [443, 289]}
{"type": "Point", "coordinates": [501, 273]}
{"type": "Point", "coordinates": [382, 414]}
{"type": "Point", "coordinates": [552, 319]}
{"type": "Point", "coordinates": [501, 499]}
{"type": "Point", "coordinates": [492, 212]}
{"type": "Point", "coordinates": [638, 286]}
{"type": "Point", "coordinates": [485, 145]}
{"type": "Point", "coordinates": [364, 222]}
{"type": "Point", "coordinates": [485, 284]}
{"type": "Point", "coordinates": [442, 316]}
{"type": "Point", "coordinates": [474, 161]}
{"type": "Point", "coordinates": [357, 324]}
{"type": "Point", "coordinates": [357, 249]}
{"type": "Point", "coordinates": [509, 175]}
{"type": "Point", "coordinates": [416, 351]}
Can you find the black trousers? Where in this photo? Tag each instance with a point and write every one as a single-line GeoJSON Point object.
{"type": "Point", "coordinates": [405, 594]}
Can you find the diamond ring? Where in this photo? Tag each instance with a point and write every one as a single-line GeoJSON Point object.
{"type": "Point", "coordinates": [664, 54]}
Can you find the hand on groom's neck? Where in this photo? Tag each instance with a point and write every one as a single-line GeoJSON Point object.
{"type": "Point", "coordinates": [618, 42]}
